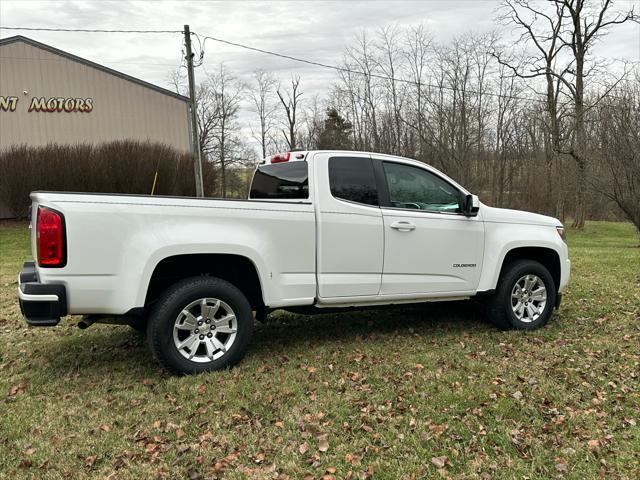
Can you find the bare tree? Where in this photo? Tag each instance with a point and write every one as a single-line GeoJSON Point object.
{"type": "Point", "coordinates": [313, 122]}
{"type": "Point", "coordinates": [347, 93]}
{"type": "Point", "coordinates": [361, 58]}
{"type": "Point", "coordinates": [227, 92]}
{"type": "Point", "coordinates": [540, 36]}
{"type": "Point", "coordinates": [587, 26]}
{"type": "Point", "coordinates": [457, 106]}
{"type": "Point", "coordinates": [261, 94]}
{"type": "Point", "coordinates": [177, 80]}
{"type": "Point", "coordinates": [507, 111]}
{"type": "Point", "coordinates": [418, 45]}
{"type": "Point", "coordinates": [391, 65]}
{"type": "Point", "coordinates": [208, 110]}
{"type": "Point", "coordinates": [618, 132]}
{"type": "Point", "coordinates": [291, 102]}
{"type": "Point", "coordinates": [574, 25]}
{"type": "Point", "coordinates": [208, 118]}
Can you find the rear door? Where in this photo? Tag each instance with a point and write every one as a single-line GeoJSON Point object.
{"type": "Point", "coordinates": [349, 225]}
{"type": "Point", "coordinates": [430, 246]}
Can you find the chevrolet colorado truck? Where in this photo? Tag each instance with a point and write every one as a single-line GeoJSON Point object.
{"type": "Point", "coordinates": [320, 229]}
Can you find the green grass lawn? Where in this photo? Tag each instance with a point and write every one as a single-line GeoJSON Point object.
{"type": "Point", "coordinates": [377, 394]}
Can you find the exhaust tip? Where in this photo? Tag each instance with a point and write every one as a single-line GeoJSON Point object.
{"type": "Point", "coordinates": [86, 322]}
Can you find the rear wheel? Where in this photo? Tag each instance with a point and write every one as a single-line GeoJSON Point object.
{"type": "Point", "coordinates": [200, 324]}
{"type": "Point", "coordinates": [525, 297]}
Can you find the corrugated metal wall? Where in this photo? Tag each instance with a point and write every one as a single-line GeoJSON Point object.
{"type": "Point", "coordinates": [122, 109]}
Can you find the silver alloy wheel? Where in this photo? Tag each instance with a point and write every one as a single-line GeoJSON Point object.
{"type": "Point", "coordinates": [205, 330]}
{"type": "Point", "coordinates": [528, 298]}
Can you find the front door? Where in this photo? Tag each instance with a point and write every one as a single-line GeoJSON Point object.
{"type": "Point", "coordinates": [430, 246]}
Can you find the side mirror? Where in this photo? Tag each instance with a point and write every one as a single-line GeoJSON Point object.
{"type": "Point", "coordinates": [471, 205]}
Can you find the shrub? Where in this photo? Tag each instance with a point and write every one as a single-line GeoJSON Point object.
{"type": "Point", "coordinates": [115, 167]}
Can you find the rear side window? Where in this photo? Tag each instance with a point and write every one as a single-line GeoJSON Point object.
{"type": "Point", "coordinates": [352, 178]}
{"type": "Point", "coordinates": [281, 181]}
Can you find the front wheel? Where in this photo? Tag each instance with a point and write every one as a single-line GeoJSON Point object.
{"type": "Point", "coordinates": [200, 324]}
{"type": "Point", "coordinates": [525, 297]}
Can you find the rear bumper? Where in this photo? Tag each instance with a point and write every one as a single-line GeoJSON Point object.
{"type": "Point", "coordinates": [41, 304]}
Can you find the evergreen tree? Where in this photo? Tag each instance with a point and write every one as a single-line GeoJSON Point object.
{"type": "Point", "coordinates": [335, 133]}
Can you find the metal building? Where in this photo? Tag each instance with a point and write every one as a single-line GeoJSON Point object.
{"type": "Point", "coordinates": [51, 96]}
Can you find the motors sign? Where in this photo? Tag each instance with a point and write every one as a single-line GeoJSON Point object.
{"type": "Point", "coordinates": [49, 105]}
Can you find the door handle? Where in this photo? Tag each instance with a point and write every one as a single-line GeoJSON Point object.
{"type": "Point", "coordinates": [403, 226]}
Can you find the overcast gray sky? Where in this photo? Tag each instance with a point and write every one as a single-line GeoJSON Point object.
{"type": "Point", "coordinates": [317, 30]}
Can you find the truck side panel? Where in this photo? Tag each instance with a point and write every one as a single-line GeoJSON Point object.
{"type": "Point", "coordinates": [115, 243]}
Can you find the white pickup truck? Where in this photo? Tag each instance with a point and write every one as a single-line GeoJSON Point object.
{"type": "Point", "coordinates": [321, 229]}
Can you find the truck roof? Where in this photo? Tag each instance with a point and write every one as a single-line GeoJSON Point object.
{"type": "Point", "coordinates": [300, 155]}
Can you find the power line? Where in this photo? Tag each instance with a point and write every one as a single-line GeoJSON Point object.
{"type": "Point", "coordinates": [86, 30]}
{"type": "Point", "coordinates": [357, 72]}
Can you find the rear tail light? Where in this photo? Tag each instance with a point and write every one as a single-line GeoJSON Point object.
{"type": "Point", "coordinates": [50, 238]}
{"type": "Point", "coordinates": [281, 157]}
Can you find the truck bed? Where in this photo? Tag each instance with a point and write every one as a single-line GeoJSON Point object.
{"type": "Point", "coordinates": [116, 241]}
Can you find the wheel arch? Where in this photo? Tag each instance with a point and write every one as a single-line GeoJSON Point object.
{"type": "Point", "coordinates": [548, 257]}
{"type": "Point", "coordinates": [236, 269]}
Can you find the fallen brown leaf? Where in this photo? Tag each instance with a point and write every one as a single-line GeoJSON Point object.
{"type": "Point", "coordinates": [440, 462]}
{"type": "Point", "coordinates": [17, 389]}
{"type": "Point", "coordinates": [323, 442]}
{"type": "Point", "coordinates": [366, 474]}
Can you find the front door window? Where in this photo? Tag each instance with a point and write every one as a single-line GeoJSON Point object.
{"type": "Point", "coordinates": [415, 188]}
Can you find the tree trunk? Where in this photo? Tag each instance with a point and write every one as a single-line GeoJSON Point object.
{"type": "Point", "coordinates": [223, 161]}
{"type": "Point", "coordinates": [559, 199]}
{"type": "Point", "coordinates": [581, 186]}
{"type": "Point", "coordinates": [580, 146]}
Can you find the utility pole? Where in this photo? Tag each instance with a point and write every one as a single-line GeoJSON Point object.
{"type": "Point", "coordinates": [195, 141]}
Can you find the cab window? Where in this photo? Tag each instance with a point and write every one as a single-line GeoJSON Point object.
{"type": "Point", "coordinates": [418, 189]}
{"type": "Point", "coordinates": [281, 181]}
{"type": "Point", "coordinates": [352, 179]}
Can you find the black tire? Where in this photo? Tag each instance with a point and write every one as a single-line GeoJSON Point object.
{"type": "Point", "coordinates": [499, 309]}
{"type": "Point", "coordinates": [161, 322]}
